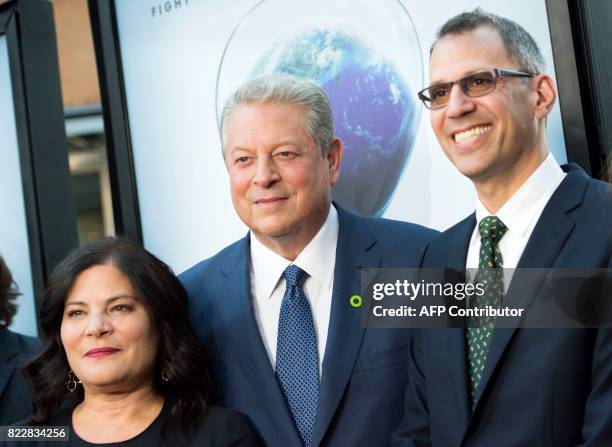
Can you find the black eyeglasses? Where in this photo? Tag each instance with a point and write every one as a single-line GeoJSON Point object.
{"type": "Point", "coordinates": [478, 84]}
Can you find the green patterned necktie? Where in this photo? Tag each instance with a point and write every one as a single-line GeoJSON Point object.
{"type": "Point", "coordinates": [490, 275]}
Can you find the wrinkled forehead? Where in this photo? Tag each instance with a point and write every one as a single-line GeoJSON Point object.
{"type": "Point", "coordinates": [460, 54]}
{"type": "Point", "coordinates": [257, 110]}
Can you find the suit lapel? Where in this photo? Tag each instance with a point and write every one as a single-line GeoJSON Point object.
{"type": "Point", "coordinates": [549, 235]}
{"type": "Point", "coordinates": [354, 250]}
{"type": "Point", "coordinates": [455, 338]}
{"type": "Point", "coordinates": [235, 304]}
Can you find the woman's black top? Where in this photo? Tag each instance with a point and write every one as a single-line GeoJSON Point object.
{"type": "Point", "coordinates": [219, 428]}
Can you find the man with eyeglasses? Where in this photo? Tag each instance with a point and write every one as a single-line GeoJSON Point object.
{"type": "Point", "coordinates": [482, 384]}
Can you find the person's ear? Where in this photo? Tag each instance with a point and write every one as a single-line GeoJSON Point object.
{"type": "Point", "coordinates": [546, 95]}
{"type": "Point", "coordinates": [334, 159]}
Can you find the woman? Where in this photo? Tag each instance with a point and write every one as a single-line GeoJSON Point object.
{"type": "Point", "coordinates": [123, 366]}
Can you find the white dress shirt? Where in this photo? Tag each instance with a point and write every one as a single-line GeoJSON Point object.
{"type": "Point", "coordinates": [318, 259]}
{"type": "Point", "coordinates": [520, 214]}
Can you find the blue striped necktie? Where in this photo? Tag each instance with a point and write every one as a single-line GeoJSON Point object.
{"type": "Point", "coordinates": [297, 358]}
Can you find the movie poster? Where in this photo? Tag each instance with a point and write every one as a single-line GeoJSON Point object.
{"type": "Point", "coordinates": [14, 243]}
{"type": "Point", "coordinates": [182, 58]}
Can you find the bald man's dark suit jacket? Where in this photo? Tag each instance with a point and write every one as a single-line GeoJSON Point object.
{"type": "Point", "coordinates": [540, 387]}
{"type": "Point", "coordinates": [15, 399]}
{"type": "Point", "coordinates": [364, 370]}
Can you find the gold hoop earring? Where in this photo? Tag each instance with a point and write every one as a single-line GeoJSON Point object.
{"type": "Point", "coordinates": [72, 381]}
{"type": "Point", "coordinates": [165, 375]}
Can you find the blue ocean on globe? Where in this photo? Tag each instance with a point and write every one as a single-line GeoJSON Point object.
{"type": "Point", "coordinates": [375, 113]}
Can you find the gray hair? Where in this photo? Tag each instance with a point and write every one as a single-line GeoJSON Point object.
{"type": "Point", "coordinates": [290, 90]}
{"type": "Point", "coordinates": [518, 42]}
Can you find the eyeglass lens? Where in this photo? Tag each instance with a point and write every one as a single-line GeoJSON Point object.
{"type": "Point", "coordinates": [477, 84]}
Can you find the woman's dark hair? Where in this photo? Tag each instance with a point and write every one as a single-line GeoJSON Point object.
{"type": "Point", "coordinates": [8, 293]}
{"type": "Point", "coordinates": [179, 354]}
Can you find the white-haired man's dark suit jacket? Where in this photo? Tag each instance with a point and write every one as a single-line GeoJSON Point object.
{"type": "Point", "coordinates": [364, 371]}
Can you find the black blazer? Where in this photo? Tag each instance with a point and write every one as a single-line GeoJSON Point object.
{"type": "Point", "coordinates": [15, 399]}
{"type": "Point", "coordinates": [540, 387]}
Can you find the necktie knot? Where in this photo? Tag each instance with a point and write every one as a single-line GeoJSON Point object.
{"type": "Point", "coordinates": [294, 276]}
{"type": "Point", "coordinates": [492, 228]}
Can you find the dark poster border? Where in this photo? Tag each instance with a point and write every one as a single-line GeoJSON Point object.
{"type": "Point", "coordinates": [575, 100]}
{"type": "Point", "coordinates": [116, 119]}
{"type": "Point", "coordinates": [124, 192]}
{"type": "Point", "coordinates": [590, 22]}
{"type": "Point", "coordinates": [49, 204]}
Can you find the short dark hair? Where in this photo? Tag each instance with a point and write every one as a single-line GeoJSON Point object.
{"type": "Point", "coordinates": [8, 294]}
{"type": "Point", "coordinates": [519, 44]}
{"type": "Point", "coordinates": [179, 353]}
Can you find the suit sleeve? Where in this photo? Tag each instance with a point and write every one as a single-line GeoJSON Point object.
{"type": "Point", "coordinates": [597, 426]}
{"type": "Point", "coordinates": [414, 428]}
{"type": "Point", "coordinates": [239, 432]}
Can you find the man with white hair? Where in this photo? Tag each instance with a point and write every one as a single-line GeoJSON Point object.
{"type": "Point", "coordinates": [287, 348]}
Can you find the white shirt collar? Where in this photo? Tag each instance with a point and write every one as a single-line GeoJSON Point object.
{"type": "Point", "coordinates": [525, 205]}
{"type": "Point", "coordinates": [317, 259]}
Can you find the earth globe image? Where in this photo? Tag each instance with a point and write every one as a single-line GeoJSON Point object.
{"type": "Point", "coordinates": [366, 59]}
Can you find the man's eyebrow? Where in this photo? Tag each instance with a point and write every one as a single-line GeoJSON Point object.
{"type": "Point", "coordinates": [465, 74]}
{"type": "Point", "coordinates": [437, 82]}
{"type": "Point", "coordinates": [240, 149]}
{"type": "Point", "coordinates": [276, 146]}
{"type": "Point", "coordinates": [108, 300]}
{"type": "Point", "coordinates": [284, 143]}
